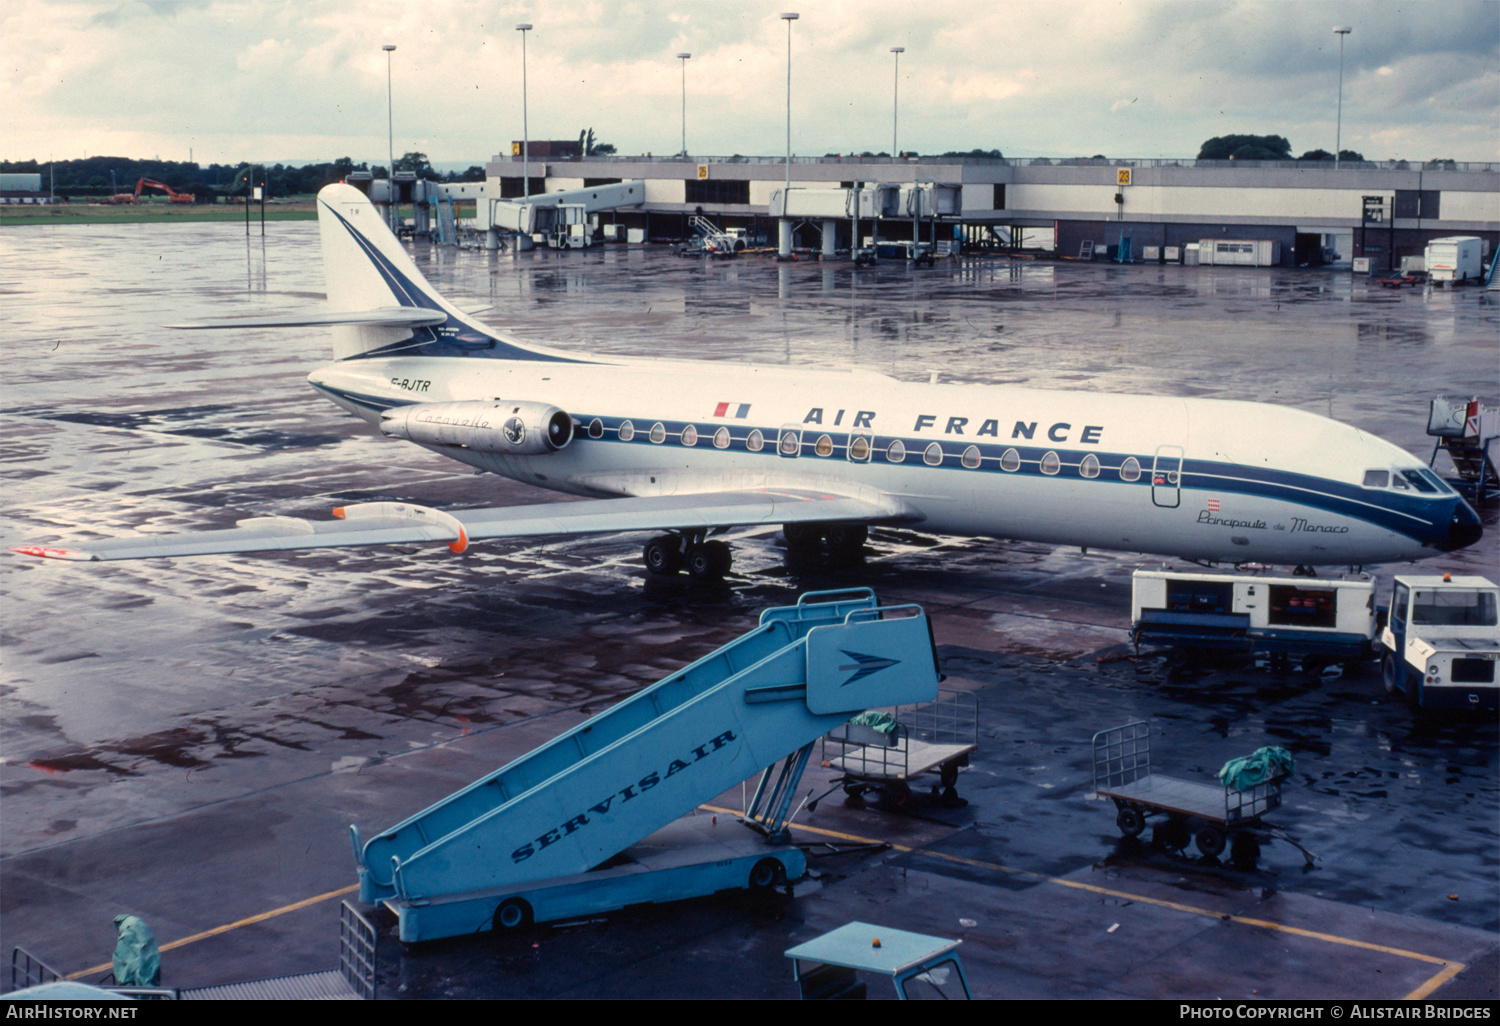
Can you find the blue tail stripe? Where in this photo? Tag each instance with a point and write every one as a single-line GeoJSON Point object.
{"type": "Point", "coordinates": [454, 337]}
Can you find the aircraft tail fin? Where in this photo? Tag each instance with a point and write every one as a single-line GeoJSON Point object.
{"type": "Point", "coordinates": [383, 305]}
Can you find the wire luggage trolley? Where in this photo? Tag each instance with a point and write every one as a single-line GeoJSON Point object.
{"type": "Point", "coordinates": [1212, 815]}
{"type": "Point", "coordinates": [884, 750]}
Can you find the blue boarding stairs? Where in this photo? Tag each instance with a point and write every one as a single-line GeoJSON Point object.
{"type": "Point", "coordinates": [589, 821]}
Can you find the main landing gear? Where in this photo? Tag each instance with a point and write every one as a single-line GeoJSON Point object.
{"type": "Point", "coordinates": [845, 541]}
{"type": "Point", "coordinates": [703, 560]}
{"type": "Point", "coordinates": [706, 560]}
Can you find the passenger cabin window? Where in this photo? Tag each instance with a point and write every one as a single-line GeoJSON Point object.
{"type": "Point", "coordinates": [824, 446]}
{"type": "Point", "coordinates": [1089, 467]}
{"type": "Point", "coordinates": [658, 433]}
{"type": "Point", "coordinates": [934, 455]}
{"type": "Point", "coordinates": [896, 451]}
{"type": "Point", "coordinates": [755, 441]}
{"type": "Point", "coordinates": [1377, 478]}
{"type": "Point", "coordinates": [1130, 470]}
{"type": "Point", "coordinates": [1455, 607]}
{"type": "Point", "coordinates": [859, 448]}
{"type": "Point", "coordinates": [596, 428]}
{"type": "Point", "coordinates": [790, 443]}
{"type": "Point", "coordinates": [721, 438]}
{"type": "Point", "coordinates": [1010, 460]}
{"type": "Point", "coordinates": [626, 431]}
{"type": "Point", "coordinates": [971, 457]}
{"type": "Point", "coordinates": [1051, 464]}
{"type": "Point", "coordinates": [690, 435]}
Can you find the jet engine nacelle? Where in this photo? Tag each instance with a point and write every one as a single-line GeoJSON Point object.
{"type": "Point", "coordinates": [511, 428]}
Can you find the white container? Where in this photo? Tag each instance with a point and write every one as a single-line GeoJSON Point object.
{"type": "Point", "coordinates": [1456, 258]}
{"type": "Point", "coordinates": [635, 235]}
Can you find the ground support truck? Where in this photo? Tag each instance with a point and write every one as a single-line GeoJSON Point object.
{"type": "Point", "coordinates": [1441, 645]}
{"type": "Point", "coordinates": [1314, 620]}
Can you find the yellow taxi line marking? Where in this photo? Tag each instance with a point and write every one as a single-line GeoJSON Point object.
{"type": "Point", "coordinates": [247, 921]}
{"type": "Point", "coordinates": [1450, 970]}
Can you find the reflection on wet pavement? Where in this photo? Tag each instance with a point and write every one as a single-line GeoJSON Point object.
{"type": "Point", "coordinates": [134, 691]}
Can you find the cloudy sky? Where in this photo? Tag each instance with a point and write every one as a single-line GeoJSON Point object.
{"type": "Point", "coordinates": [234, 80]}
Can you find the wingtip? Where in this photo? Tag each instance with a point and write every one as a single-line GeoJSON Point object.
{"type": "Point", "coordinates": [46, 552]}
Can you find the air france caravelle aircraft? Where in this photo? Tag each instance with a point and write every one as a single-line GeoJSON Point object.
{"type": "Point", "coordinates": [689, 449]}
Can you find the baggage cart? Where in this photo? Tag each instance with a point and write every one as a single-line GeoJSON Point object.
{"type": "Point", "coordinates": [928, 738]}
{"type": "Point", "coordinates": [1213, 815]}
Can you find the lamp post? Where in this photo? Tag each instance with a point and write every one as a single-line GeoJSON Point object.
{"type": "Point", "coordinates": [683, 57]}
{"type": "Point", "coordinates": [1341, 31]}
{"type": "Point", "coordinates": [784, 242]}
{"type": "Point", "coordinates": [390, 141]}
{"type": "Point", "coordinates": [896, 98]}
{"type": "Point", "coordinates": [524, 28]}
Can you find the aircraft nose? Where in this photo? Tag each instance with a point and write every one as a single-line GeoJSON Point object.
{"type": "Point", "coordinates": [1464, 529]}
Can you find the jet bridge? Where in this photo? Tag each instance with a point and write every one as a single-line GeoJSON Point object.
{"type": "Point", "coordinates": [563, 217]}
{"type": "Point", "coordinates": [547, 827]}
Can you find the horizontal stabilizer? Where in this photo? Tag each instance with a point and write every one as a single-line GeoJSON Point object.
{"type": "Point", "coordinates": [390, 316]}
{"type": "Point", "coordinates": [394, 523]}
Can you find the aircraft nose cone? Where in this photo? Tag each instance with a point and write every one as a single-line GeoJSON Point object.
{"type": "Point", "coordinates": [1464, 529]}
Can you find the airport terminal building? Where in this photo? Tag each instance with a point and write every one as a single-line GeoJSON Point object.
{"type": "Point", "coordinates": [1268, 212]}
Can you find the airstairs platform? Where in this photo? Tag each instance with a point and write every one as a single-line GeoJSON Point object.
{"type": "Point", "coordinates": [575, 803]}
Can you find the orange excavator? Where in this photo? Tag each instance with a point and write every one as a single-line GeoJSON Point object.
{"type": "Point", "coordinates": [173, 196]}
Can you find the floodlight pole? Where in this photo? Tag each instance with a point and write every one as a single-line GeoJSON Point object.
{"type": "Point", "coordinates": [390, 142]}
{"type": "Point", "coordinates": [896, 98]}
{"type": "Point", "coordinates": [525, 130]}
{"type": "Point", "coordinates": [1338, 133]}
{"type": "Point", "coordinates": [784, 242]}
{"type": "Point", "coordinates": [683, 57]}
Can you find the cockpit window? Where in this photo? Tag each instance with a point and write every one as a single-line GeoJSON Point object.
{"type": "Point", "coordinates": [1437, 482]}
{"type": "Point", "coordinates": [1417, 481]}
{"type": "Point", "coordinates": [1377, 478]}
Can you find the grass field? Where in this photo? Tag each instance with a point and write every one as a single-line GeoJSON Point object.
{"type": "Point", "coordinates": [152, 213]}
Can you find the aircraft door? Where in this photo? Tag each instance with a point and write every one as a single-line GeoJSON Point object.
{"type": "Point", "coordinates": [1166, 477]}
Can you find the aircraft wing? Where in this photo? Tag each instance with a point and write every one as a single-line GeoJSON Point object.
{"type": "Point", "coordinates": [394, 317]}
{"type": "Point", "coordinates": [394, 523]}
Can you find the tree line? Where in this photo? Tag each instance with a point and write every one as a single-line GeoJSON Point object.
{"type": "Point", "coordinates": [102, 176]}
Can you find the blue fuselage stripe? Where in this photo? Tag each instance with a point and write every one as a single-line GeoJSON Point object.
{"type": "Point", "coordinates": [1394, 512]}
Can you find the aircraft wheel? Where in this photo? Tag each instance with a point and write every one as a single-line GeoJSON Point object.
{"type": "Point", "coordinates": [847, 539]}
{"type": "Point", "coordinates": [513, 914]}
{"type": "Point", "coordinates": [709, 561]}
{"type": "Point", "coordinates": [663, 555]}
{"type": "Point", "coordinates": [1130, 821]}
{"type": "Point", "coordinates": [802, 537]}
{"type": "Point", "coordinates": [1210, 841]}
